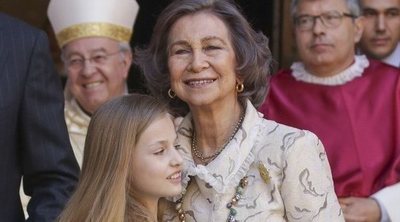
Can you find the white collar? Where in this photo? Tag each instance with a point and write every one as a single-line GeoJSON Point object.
{"type": "Point", "coordinates": [218, 173]}
{"type": "Point", "coordinates": [352, 72]}
{"type": "Point", "coordinates": [394, 58]}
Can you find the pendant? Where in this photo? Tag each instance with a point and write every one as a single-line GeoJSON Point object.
{"type": "Point", "coordinates": [230, 206]}
{"type": "Point", "coordinates": [264, 172]}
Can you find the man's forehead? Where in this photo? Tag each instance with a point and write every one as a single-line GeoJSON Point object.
{"type": "Point", "coordinates": [380, 4]}
{"type": "Point", "coordinates": [318, 6]}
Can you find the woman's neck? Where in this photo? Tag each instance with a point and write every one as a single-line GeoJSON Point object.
{"type": "Point", "coordinates": [214, 127]}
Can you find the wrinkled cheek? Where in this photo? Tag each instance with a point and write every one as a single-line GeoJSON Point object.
{"type": "Point", "coordinates": [72, 82]}
{"type": "Point", "coordinates": [177, 65]}
{"type": "Point", "coordinates": [174, 84]}
{"type": "Point", "coordinates": [173, 73]}
{"type": "Point", "coordinates": [175, 77]}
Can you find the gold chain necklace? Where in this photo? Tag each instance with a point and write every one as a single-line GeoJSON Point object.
{"type": "Point", "coordinates": [232, 212]}
{"type": "Point", "coordinates": [206, 159]}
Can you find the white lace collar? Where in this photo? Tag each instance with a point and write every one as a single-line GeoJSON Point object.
{"type": "Point", "coordinates": [232, 164]}
{"type": "Point", "coordinates": [354, 71]}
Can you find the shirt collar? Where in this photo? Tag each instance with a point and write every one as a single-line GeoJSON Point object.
{"type": "Point", "coordinates": [394, 58]}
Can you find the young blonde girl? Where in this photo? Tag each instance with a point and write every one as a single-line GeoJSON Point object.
{"type": "Point", "coordinates": [128, 138]}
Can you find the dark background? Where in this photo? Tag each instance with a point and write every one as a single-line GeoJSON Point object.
{"type": "Point", "coordinates": [260, 13]}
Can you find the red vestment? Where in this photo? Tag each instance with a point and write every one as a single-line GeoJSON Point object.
{"type": "Point", "coordinates": [358, 123]}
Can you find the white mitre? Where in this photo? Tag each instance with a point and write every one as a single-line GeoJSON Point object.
{"type": "Point", "coordinates": [74, 19]}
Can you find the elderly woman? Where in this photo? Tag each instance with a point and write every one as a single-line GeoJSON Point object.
{"type": "Point", "coordinates": [212, 67]}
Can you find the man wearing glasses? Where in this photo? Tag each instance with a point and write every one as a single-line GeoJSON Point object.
{"type": "Point", "coordinates": [350, 102]}
{"type": "Point", "coordinates": [381, 36]}
{"type": "Point", "coordinates": [94, 38]}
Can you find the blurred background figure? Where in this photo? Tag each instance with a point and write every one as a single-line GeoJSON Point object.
{"type": "Point", "coordinates": [33, 140]}
{"type": "Point", "coordinates": [381, 35]}
{"type": "Point", "coordinates": [94, 39]}
{"type": "Point", "coordinates": [126, 169]}
{"type": "Point", "coordinates": [348, 101]}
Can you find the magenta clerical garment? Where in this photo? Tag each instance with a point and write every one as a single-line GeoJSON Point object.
{"type": "Point", "coordinates": [358, 123]}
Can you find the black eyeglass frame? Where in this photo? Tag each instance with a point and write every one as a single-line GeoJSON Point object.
{"type": "Point", "coordinates": [323, 18]}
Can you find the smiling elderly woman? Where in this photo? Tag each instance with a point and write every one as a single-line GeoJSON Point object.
{"type": "Point", "coordinates": [205, 59]}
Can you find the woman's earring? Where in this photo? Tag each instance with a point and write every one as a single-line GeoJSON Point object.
{"type": "Point", "coordinates": [239, 87]}
{"type": "Point", "coordinates": [171, 94]}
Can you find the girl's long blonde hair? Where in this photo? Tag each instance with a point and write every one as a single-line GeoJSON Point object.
{"type": "Point", "coordinates": [104, 192]}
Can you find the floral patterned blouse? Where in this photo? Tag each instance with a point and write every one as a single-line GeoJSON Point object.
{"type": "Point", "coordinates": [297, 187]}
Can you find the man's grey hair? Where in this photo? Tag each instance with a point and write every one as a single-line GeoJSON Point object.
{"type": "Point", "coordinates": [125, 47]}
{"type": "Point", "coordinates": [352, 5]}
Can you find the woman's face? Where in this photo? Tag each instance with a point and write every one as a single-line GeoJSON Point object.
{"type": "Point", "coordinates": [201, 60]}
{"type": "Point", "coordinates": [157, 165]}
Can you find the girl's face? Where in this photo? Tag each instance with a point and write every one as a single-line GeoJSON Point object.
{"type": "Point", "coordinates": [157, 165]}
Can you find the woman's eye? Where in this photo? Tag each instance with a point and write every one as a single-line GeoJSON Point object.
{"type": "Point", "coordinates": [211, 47]}
{"type": "Point", "coordinates": [181, 51]}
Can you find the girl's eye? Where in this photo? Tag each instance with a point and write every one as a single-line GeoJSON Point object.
{"type": "Point", "coordinates": [177, 147]}
{"type": "Point", "coordinates": [181, 51]}
{"type": "Point", "coordinates": [159, 152]}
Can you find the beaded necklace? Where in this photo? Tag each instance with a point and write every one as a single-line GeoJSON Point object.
{"type": "Point", "coordinates": [206, 159]}
{"type": "Point", "coordinates": [232, 212]}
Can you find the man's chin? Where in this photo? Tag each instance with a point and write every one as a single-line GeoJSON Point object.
{"type": "Point", "coordinates": [379, 55]}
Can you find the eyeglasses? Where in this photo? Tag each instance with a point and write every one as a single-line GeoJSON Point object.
{"type": "Point", "coordinates": [331, 19]}
{"type": "Point", "coordinates": [78, 62]}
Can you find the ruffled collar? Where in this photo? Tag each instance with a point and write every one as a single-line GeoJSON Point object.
{"type": "Point", "coordinates": [347, 75]}
{"type": "Point", "coordinates": [232, 164]}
